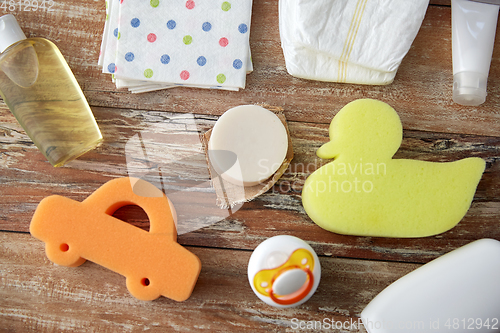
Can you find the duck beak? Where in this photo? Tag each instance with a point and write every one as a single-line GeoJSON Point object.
{"type": "Point", "coordinates": [327, 151]}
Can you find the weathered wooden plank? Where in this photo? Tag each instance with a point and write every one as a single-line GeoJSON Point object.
{"type": "Point", "coordinates": [421, 91]}
{"type": "Point", "coordinates": [40, 296]}
{"type": "Point", "coordinates": [278, 211]}
{"type": "Point", "coordinates": [440, 2]}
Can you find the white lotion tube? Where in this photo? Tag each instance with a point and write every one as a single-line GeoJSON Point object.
{"type": "Point", "coordinates": [473, 35]}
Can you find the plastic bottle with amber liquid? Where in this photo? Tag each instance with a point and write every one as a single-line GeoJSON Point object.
{"type": "Point", "coordinates": [39, 88]}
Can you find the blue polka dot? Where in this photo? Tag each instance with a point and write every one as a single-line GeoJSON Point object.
{"type": "Point", "coordinates": [201, 61]}
{"type": "Point", "coordinates": [129, 56]}
{"type": "Point", "coordinates": [237, 64]}
{"type": "Point", "coordinates": [243, 28]}
{"type": "Point", "coordinates": [135, 22]}
{"type": "Point", "coordinates": [206, 26]}
{"type": "Point", "coordinates": [115, 32]}
{"type": "Point", "coordinates": [171, 24]}
{"type": "Point", "coordinates": [111, 67]}
{"type": "Point", "coordinates": [165, 59]}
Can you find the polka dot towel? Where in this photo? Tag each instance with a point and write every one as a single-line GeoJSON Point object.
{"type": "Point", "coordinates": [154, 44]}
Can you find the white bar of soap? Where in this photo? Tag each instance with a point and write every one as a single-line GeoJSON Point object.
{"type": "Point", "coordinates": [248, 144]}
{"type": "Point", "coordinates": [458, 292]}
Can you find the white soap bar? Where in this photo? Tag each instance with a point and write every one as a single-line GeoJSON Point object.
{"type": "Point", "coordinates": [458, 292]}
{"type": "Point", "coordinates": [247, 145]}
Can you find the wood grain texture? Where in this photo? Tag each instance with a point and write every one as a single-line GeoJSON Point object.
{"type": "Point", "coordinates": [37, 296]}
{"type": "Point", "coordinates": [421, 92]}
{"type": "Point", "coordinates": [425, 75]}
{"type": "Point", "coordinates": [40, 296]}
{"type": "Point", "coordinates": [278, 211]}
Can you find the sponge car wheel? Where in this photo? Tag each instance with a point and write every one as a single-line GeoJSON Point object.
{"type": "Point", "coordinates": [142, 288]}
{"type": "Point", "coordinates": [63, 254]}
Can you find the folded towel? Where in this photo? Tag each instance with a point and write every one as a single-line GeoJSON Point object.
{"type": "Point", "coordinates": [110, 38]}
{"type": "Point", "coordinates": [105, 34]}
{"type": "Point", "coordinates": [353, 41]}
{"type": "Point", "coordinates": [158, 44]}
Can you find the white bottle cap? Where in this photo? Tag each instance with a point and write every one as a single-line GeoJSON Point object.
{"type": "Point", "coordinates": [469, 88]}
{"type": "Point", "coordinates": [10, 32]}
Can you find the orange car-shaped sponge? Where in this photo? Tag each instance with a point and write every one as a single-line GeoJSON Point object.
{"type": "Point", "coordinates": [153, 262]}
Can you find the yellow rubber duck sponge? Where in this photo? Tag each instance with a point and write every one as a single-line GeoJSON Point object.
{"type": "Point", "coordinates": [365, 192]}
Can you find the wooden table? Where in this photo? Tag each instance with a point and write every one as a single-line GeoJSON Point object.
{"type": "Point", "coordinates": [36, 295]}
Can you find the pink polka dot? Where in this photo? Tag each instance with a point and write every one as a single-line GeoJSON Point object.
{"type": "Point", "coordinates": [151, 38]}
{"type": "Point", "coordinates": [184, 75]}
{"type": "Point", "coordinates": [190, 4]}
{"type": "Point", "coordinates": [223, 42]}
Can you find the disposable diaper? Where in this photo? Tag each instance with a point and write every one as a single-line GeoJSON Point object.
{"type": "Point", "coordinates": [352, 41]}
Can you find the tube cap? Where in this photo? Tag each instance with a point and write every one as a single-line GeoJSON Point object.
{"type": "Point", "coordinates": [10, 32]}
{"type": "Point", "coordinates": [469, 88]}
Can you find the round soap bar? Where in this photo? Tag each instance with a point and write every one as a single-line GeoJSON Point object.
{"type": "Point", "coordinates": [247, 145]}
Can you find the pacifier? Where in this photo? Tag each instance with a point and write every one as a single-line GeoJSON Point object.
{"type": "Point", "coordinates": [284, 271]}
